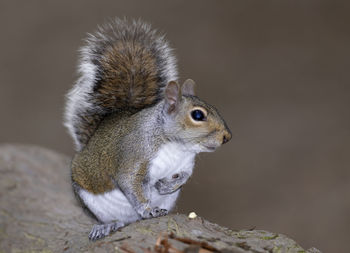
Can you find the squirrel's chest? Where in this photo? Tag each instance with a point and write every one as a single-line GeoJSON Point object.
{"type": "Point", "coordinates": [170, 159]}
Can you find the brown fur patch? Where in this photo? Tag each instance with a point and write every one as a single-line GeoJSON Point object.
{"type": "Point", "coordinates": [95, 181]}
{"type": "Point", "coordinates": [129, 77]}
{"type": "Point", "coordinates": [94, 168]}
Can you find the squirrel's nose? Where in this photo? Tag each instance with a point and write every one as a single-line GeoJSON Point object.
{"type": "Point", "coordinates": [227, 137]}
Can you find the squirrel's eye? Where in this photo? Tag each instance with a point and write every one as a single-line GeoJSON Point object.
{"type": "Point", "coordinates": [197, 115]}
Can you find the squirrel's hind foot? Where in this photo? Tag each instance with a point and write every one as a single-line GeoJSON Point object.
{"type": "Point", "coordinates": [101, 230]}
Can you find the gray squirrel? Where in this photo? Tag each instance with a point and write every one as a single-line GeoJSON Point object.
{"type": "Point", "coordinates": [136, 130]}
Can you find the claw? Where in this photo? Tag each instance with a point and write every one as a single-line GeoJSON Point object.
{"type": "Point", "coordinates": [157, 212]}
{"type": "Point", "coordinates": [101, 230]}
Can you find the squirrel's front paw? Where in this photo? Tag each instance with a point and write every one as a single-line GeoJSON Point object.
{"type": "Point", "coordinates": [154, 212]}
{"type": "Point", "coordinates": [167, 186]}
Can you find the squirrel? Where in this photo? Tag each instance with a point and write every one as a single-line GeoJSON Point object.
{"type": "Point", "coordinates": [135, 129]}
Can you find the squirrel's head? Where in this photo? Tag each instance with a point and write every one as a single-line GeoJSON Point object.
{"type": "Point", "coordinates": [192, 121]}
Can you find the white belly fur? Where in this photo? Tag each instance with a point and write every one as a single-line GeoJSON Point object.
{"type": "Point", "coordinates": [110, 206]}
{"type": "Point", "coordinates": [171, 158]}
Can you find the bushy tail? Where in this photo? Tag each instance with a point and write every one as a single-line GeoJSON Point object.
{"type": "Point", "coordinates": [124, 65]}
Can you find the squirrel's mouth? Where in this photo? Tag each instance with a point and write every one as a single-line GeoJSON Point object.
{"type": "Point", "coordinates": [210, 148]}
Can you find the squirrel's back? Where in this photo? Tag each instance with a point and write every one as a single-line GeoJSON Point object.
{"type": "Point", "coordinates": [123, 66]}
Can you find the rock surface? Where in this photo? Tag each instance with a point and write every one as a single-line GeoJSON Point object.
{"type": "Point", "coordinates": [38, 213]}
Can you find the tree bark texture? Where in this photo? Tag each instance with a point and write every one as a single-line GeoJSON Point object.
{"type": "Point", "coordinates": [38, 213]}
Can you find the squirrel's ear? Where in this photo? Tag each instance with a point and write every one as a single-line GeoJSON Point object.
{"type": "Point", "coordinates": [172, 96]}
{"type": "Point", "coordinates": [188, 87]}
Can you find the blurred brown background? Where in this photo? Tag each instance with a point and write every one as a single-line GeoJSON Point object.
{"type": "Point", "coordinates": [277, 70]}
